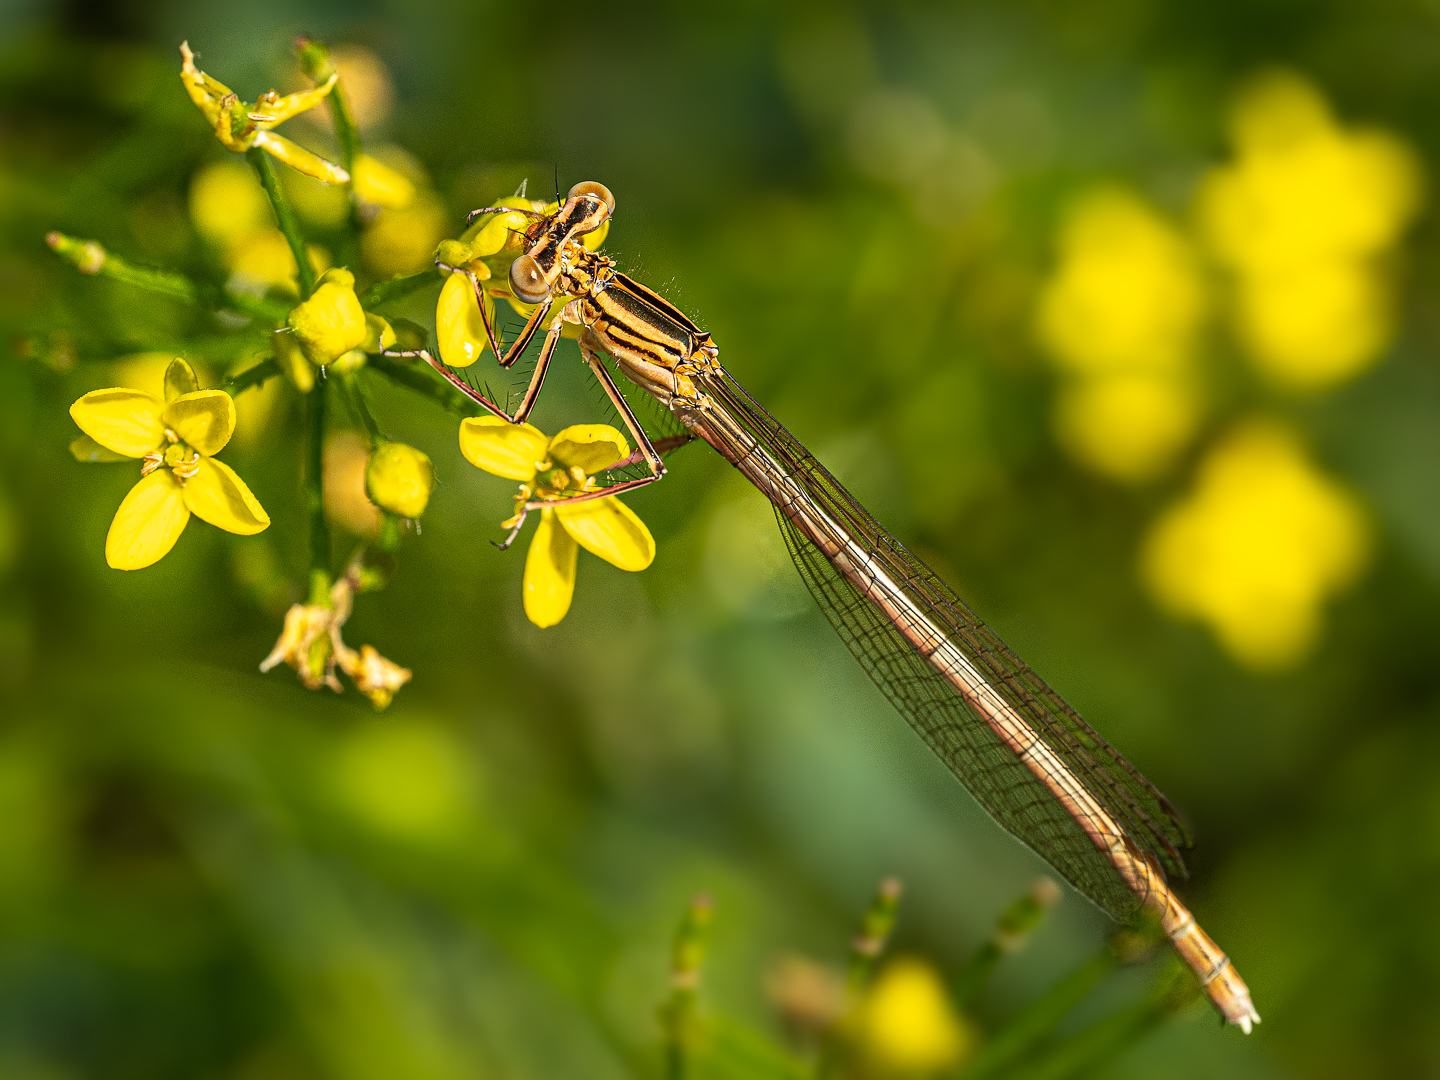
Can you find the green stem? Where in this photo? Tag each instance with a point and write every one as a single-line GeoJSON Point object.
{"type": "Point", "coordinates": [91, 257]}
{"type": "Point", "coordinates": [355, 397]}
{"type": "Point", "coordinates": [316, 63]}
{"type": "Point", "coordinates": [417, 377]}
{"type": "Point", "coordinates": [1011, 930]}
{"type": "Point", "coordinates": [255, 375]}
{"type": "Point", "coordinates": [315, 497]}
{"type": "Point", "coordinates": [384, 291]}
{"type": "Point", "coordinates": [284, 216]}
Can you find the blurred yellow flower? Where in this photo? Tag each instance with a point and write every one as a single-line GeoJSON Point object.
{"type": "Point", "coordinates": [1121, 317]}
{"type": "Point", "coordinates": [240, 126]}
{"type": "Point", "coordinates": [1257, 547]}
{"type": "Point", "coordinates": [263, 260]}
{"type": "Point", "coordinates": [227, 204]}
{"type": "Point", "coordinates": [1128, 427]}
{"type": "Point", "coordinates": [556, 469]}
{"type": "Point", "coordinates": [1126, 295]}
{"type": "Point", "coordinates": [403, 241]}
{"type": "Point", "coordinates": [176, 439]}
{"type": "Point", "coordinates": [907, 1026]}
{"type": "Point", "coordinates": [347, 456]}
{"type": "Point", "coordinates": [380, 185]}
{"type": "Point", "coordinates": [1303, 217]}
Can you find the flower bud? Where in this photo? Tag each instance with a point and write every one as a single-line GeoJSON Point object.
{"type": "Point", "coordinates": [399, 478]}
{"type": "Point", "coordinates": [331, 322]}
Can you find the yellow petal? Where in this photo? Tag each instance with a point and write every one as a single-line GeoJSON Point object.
{"type": "Point", "coordinates": [272, 109]}
{"type": "Point", "coordinates": [215, 494]}
{"type": "Point", "coordinates": [300, 159]}
{"type": "Point", "coordinates": [148, 523]}
{"type": "Point", "coordinates": [126, 421]}
{"type": "Point", "coordinates": [180, 379]}
{"type": "Point", "coordinates": [491, 232]}
{"type": "Point", "coordinates": [85, 449]}
{"type": "Point", "coordinates": [549, 573]}
{"type": "Point", "coordinates": [458, 325]}
{"type": "Point", "coordinates": [509, 450]}
{"type": "Point", "coordinates": [204, 419]}
{"type": "Point", "coordinates": [610, 529]}
{"type": "Point", "coordinates": [592, 447]}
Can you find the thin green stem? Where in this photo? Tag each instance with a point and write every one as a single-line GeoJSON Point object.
{"type": "Point", "coordinates": [315, 496]}
{"type": "Point", "coordinates": [355, 398]}
{"type": "Point", "coordinates": [255, 375]}
{"type": "Point", "coordinates": [284, 216]}
{"type": "Point", "coordinates": [316, 63]}
{"type": "Point", "coordinates": [383, 291]}
{"type": "Point", "coordinates": [1015, 925]}
{"type": "Point", "coordinates": [91, 257]}
{"type": "Point", "coordinates": [417, 377]}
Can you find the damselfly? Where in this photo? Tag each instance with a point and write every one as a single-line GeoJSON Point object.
{"type": "Point", "coordinates": [1025, 755]}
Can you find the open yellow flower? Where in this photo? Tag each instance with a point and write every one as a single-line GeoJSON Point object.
{"type": "Point", "coordinates": [560, 468]}
{"type": "Point", "coordinates": [177, 439]}
{"type": "Point", "coordinates": [239, 125]}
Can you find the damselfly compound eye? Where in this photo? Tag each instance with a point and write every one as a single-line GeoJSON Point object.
{"type": "Point", "coordinates": [527, 282]}
{"type": "Point", "coordinates": [595, 191]}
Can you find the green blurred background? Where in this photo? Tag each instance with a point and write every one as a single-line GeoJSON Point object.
{"type": "Point", "coordinates": [207, 872]}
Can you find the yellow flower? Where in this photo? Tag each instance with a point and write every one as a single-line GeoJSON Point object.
{"type": "Point", "coordinates": [177, 439]}
{"type": "Point", "coordinates": [380, 185]}
{"type": "Point", "coordinates": [1129, 427]}
{"type": "Point", "coordinates": [907, 1026]}
{"type": "Point", "coordinates": [1257, 547]}
{"type": "Point", "coordinates": [227, 203]}
{"type": "Point", "coordinates": [403, 241]}
{"type": "Point", "coordinates": [331, 322]}
{"type": "Point", "coordinates": [239, 126]}
{"type": "Point", "coordinates": [1126, 295]}
{"type": "Point", "coordinates": [1121, 315]}
{"type": "Point", "coordinates": [559, 468]}
{"type": "Point", "coordinates": [1304, 217]}
{"type": "Point", "coordinates": [399, 478]}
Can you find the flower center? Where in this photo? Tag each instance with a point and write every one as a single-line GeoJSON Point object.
{"type": "Point", "coordinates": [179, 457]}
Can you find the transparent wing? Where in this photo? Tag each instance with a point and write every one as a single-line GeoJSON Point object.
{"type": "Point", "coordinates": [999, 781]}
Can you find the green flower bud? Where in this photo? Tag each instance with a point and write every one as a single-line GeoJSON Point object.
{"type": "Point", "coordinates": [399, 478]}
{"type": "Point", "coordinates": [331, 322]}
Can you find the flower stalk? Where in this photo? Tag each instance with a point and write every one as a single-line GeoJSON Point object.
{"type": "Point", "coordinates": [92, 258]}
{"type": "Point", "coordinates": [284, 216]}
{"type": "Point", "coordinates": [320, 580]}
